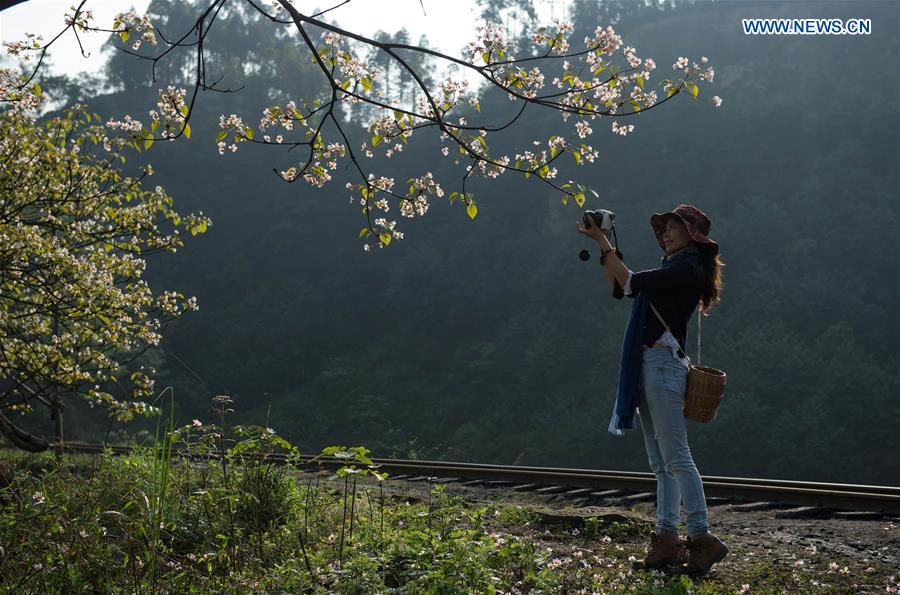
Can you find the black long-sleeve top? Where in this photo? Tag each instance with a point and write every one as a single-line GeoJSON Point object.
{"type": "Point", "coordinates": [674, 290]}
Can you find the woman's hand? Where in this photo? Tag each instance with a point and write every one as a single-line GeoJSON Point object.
{"type": "Point", "coordinates": [593, 231]}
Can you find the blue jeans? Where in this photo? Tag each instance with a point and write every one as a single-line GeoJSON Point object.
{"type": "Point", "coordinates": [661, 411]}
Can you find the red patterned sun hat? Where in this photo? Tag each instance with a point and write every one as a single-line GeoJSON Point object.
{"type": "Point", "coordinates": [694, 219]}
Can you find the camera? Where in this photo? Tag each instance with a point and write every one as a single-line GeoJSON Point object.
{"type": "Point", "coordinates": [601, 218]}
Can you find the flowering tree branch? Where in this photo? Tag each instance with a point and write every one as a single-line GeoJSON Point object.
{"type": "Point", "coordinates": [587, 86]}
{"type": "Point", "coordinates": [74, 311]}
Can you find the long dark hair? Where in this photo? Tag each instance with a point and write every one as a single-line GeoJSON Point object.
{"type": "Point", "coordinates": [712, 287]}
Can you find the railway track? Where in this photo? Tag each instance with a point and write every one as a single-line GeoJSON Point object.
{"type": "Point", "coordinates": [622, 487]}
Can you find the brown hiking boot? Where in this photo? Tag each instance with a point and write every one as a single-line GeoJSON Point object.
{"type": "Point", "coordinates": [664, 549]}
{"type": "Point", "coordinates": [702, 552]}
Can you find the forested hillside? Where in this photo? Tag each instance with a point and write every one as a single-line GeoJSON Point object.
{"type": "Point", "coordinates": [488, 339]}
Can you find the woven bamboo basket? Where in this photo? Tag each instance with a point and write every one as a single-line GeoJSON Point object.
{"type": "Point", "coordinates": [705, 389]}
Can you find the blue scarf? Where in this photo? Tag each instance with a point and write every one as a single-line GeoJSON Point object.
{"type": "Point", "coordinates": [631, 359]}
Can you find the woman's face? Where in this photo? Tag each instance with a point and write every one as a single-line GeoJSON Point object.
{"type": "Point", "coordinates": [675, 237]}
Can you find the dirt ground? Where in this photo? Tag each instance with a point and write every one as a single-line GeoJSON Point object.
{"type": "Point", "coordinates": [784, 548]}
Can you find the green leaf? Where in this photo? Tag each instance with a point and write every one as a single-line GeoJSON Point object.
{"type": "Point", "coordinates": [577, 156]}
{"type": "Point", "coordinates": [345, 85]}
{"type": "Point", "coordinates": [671, 91]}
{"type": "Point", "coordinates": [187, 130]}
{"type": "Point", "coordinates": [376, 140]}
{"type": "Point", "coordinates": [385, 238]}
{"type": "Point", "coordinates": [249, 133]}
{"type": "Point", "coordinates": [472, 210]}
{"type": "Point", "coordinates": [125, 35]}
{"type": "Point", "coordinates": [486, 57]}
{"type": "Point", "coordinates": [222, 134]}
{"type": "Point", "coordinates": [640, 81]}
{"type": "Point", "coordinates": [579, 198]}
{"type": "Point", "coordinates": [565, 199]}
{"type": "Point", "coordinates": [154, 125]}
{"type": "Point", "coordinates": [37, 89]}
{"type": "Point", "coordinates": [148, 143]}
{"type": "Point", "coordinates": [364, 231]}
{"type": "Point", "coordinates": [366, 83]}
{"type": "Point", "coordinates": [694, 89]}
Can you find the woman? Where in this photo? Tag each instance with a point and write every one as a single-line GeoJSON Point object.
{"type": "Point", "coordinates": [653, 375]}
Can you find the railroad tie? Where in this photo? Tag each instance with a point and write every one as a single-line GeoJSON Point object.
{"type": "Point", "coordinates": [551, 489]}
{"type": "Point", "coordinates": [805, 512]}
{"type": "Point", "coordinates": [754, 506]}
{"type": "Point", "coordinates": [609, 493]}
{"type": "Point", "coordinates": [578, 492]}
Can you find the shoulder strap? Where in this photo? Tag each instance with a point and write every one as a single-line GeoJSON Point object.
{"type": "Point", "coordinates": [658, 315]}
{"type": "Point", "coordinates": [699, 316]}
{"type": "Point", "coordinates": [662, 320]}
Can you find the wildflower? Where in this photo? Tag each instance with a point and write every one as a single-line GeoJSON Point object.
{"type": "Point", "coordinates": [196, 423]}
